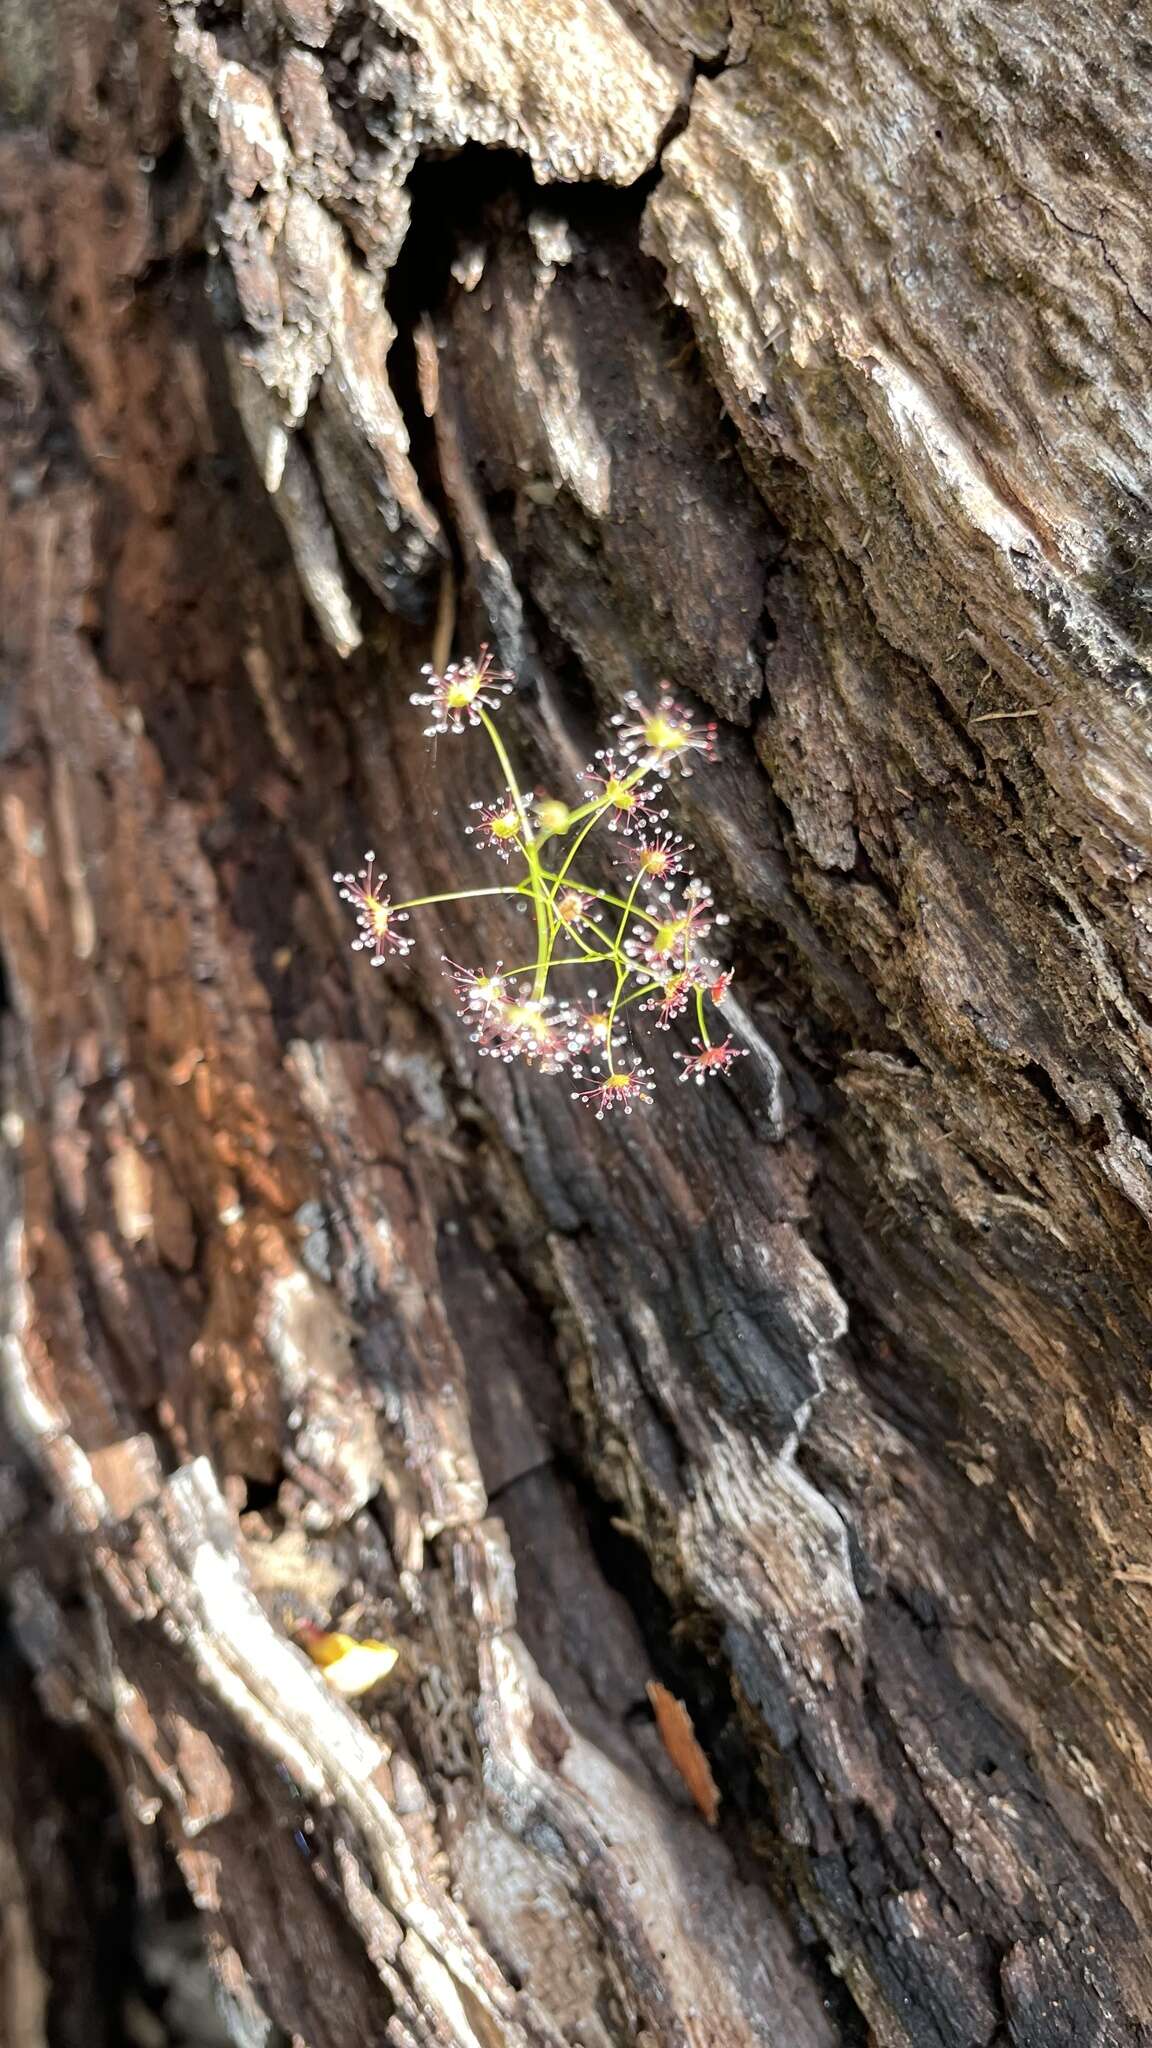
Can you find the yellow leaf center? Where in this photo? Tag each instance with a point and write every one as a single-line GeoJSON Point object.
{"type": "Point", "coordinates": [664, 736]}
{"type": "Point", "coordinates": [461, 690]}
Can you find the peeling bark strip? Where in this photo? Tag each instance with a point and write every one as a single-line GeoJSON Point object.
{"type": "Point", "coordinates": [802, 358]}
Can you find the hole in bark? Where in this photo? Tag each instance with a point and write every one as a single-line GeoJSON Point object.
{"type": "Point", "coordinates": [120, 1944]}
{"type": "Point", "coordinates": [1042, 1081]}
{"type": "Point", "coordinates": [262, 1495]}
{"type": "Point", "coordinates": [449, 198]}
{"type": "Point", "coordinates": [1135, 1125]}
{"type": "Point", "coordinates": [685, 1652]}
{"type": "Point", "coordinates": [469, 202]}
{"type": "Point", "coordinates": [171, 162]}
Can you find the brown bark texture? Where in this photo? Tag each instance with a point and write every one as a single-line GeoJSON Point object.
{"type": "Point", "coordinates": [791, 1441]}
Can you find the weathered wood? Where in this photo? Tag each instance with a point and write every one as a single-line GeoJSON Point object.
{"type": "Point", "coordinates": [822, 394]}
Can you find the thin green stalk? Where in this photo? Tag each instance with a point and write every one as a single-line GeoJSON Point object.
{"type": "Point", "coordinates": [459, 896]}
{"type": "Point", "coordinates": [557, 885]}
{"type": "Point", "coordinates": [501, 753]}
{"type": "Point", "coordinates": [704, 1037]}
{"type": "Point", "coordinates": [590, 954]}
{"type": "Point", "coordinates": [576, 960]}
{"type": "Point", "coordinates": [575, 848]}
{"type": "Point", "coordinates": [603, 896]}
{"type": "Point", "coordinates": [623, 968]}
{"type": "Point", "coordinates": [544, 922]}
{"type": "Point", "coordinates": [650, 988]}
{"type": "Point", "coordinates": [627, 910]}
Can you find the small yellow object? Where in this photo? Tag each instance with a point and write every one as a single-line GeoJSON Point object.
{"type": "Point", "coordinates": [351, 1665]}
{"type": "Point", "coordinates": [552, 814]}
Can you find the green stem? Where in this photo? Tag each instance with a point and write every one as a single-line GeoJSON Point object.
{"type": "Point", "coordinates": [501, 753]}
{"type": "Point", "coordinates": [596, 813]}
{"type": "Point", "coordinates": [651, 988]}
{"type": "Point", "coordinates": [574, 850]}
{"type": "Point", "coordinates": [459, 896]}
{"type": "Point", "coordinates": [552, 898]}
{"type": "Point", "coordinates": [704, 1038]}
{"type": "Point", "coordinates": [545, 923]}
{"type": "Point", "coordinates": [544, 920]}
{"type": "Point", "coordinates": [614, 1005]}
{"type": "Point", "coordinates": [589, 951]}
{"type": "Point", "coordinates": [623, 969]}
{"type": "Point", "coordinates": [576, 960]}
{"type": "Point", "coordinates": [626, 912]}
{"type": "Point", "coordinates": [603, 896]}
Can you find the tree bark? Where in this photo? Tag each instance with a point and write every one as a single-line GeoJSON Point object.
{"type": "Point", "coordinates": [800, 355]}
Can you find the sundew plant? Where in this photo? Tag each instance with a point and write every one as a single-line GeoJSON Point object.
{"type": "Point", "coordinates": [604, 957]}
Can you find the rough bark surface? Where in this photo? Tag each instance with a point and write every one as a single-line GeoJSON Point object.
{"type": "Point", "coordinates": [800, 355]}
